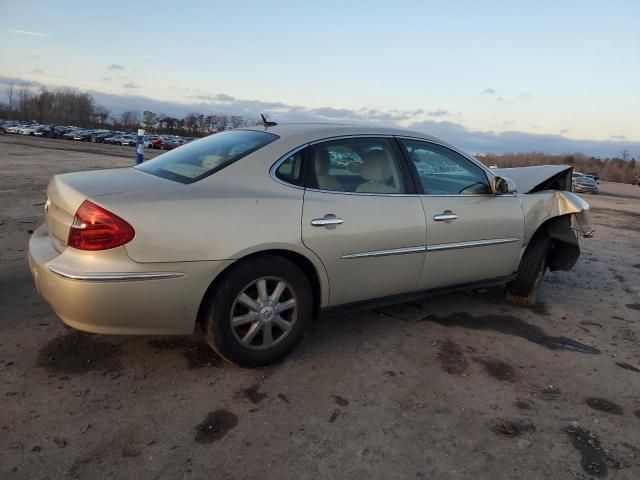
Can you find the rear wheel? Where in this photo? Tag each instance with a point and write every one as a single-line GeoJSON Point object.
{"type": "Point", "coordinates": [259, 311]}
{"type": "Point", "coordinates": [524, 289]}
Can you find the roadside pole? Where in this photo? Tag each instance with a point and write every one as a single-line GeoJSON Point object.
{"type": "Point", "coordinates": [140, 146]}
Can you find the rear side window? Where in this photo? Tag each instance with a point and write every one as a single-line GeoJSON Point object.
{"type": "Point", "coordinates": [355, 165]}
{"type": "Point", "coordinates": [290, 170]}
{"type": "Point", "coordinates": [199, 159]}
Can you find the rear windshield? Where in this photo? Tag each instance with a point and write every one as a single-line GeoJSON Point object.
{"type": "Point", "coordinates": [201, 158]}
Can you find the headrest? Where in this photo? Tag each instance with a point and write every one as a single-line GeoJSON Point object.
{"type": "Point", "coordinates": [321, 161]}
{"type": "Point", "coordinates": [375, 167]}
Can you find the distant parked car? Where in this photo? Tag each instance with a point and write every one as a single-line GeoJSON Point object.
{"type": "Point", "coordinates": [585, 184]}
{"type": "Point", "coordinates": [43, 131]}
{"type": "Point", "coordinates": [114, 140]}
{"type": "Point", "coordinates": [169, 144]}
{"type": "Point", "coordinates": [593, 175]}
{"type": "Point", "coordinates": [69, 135]}
{"type": "Point", "coordinates": [98, 137]}
{"type": "Point", "coordinates": [129, 140]}
{"type": "Point", "coordinates": [83, 135]}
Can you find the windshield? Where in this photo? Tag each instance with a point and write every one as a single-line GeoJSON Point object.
{"type": "Point", "coordinates": [586, 180]}
{"type": "Point", "coordinates": [196, 160]}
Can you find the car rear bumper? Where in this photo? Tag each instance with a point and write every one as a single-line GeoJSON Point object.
{"type": "Point", "coordinates": [107, 292]}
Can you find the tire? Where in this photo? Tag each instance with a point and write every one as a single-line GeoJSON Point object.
{"type": "Point", "coordinates": [247, 343]}
{"type": "Point", "coordinates": [524, 289]}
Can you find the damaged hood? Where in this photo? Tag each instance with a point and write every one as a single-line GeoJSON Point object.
{"type": "Point", "coordinates": [538, 178]}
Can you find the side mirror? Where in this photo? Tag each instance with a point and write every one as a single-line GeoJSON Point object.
{"type": "Point", "coordinates": [503, 186]}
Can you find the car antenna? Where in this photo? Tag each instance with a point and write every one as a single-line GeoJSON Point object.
{"type": "Point", "coordinates": [267, 123]}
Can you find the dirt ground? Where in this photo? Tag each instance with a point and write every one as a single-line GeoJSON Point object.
{"type": "Point", "coordinates": [461, 386]}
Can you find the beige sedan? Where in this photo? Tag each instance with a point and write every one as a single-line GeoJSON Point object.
{"type": "Point", "coordinates": [251, 233]}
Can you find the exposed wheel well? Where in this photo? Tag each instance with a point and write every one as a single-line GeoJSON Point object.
{"type": "Point", "coordinates": [303, 263]}
{"type": "Point", "coordinates": [565, 249]}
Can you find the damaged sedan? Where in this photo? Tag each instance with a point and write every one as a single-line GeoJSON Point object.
{"type": "Point", "coordinates": [249, 234]}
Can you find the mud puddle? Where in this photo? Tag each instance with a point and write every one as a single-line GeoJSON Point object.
{"type": "Point", "coordinates": [197, 354]}
{"type": "Point", "coordinates": [452, 358]}
{"type": "Point", "coordinates": [79, 353]}
{"type": "Point", "coordinates": [215, 426]}
{"type": "Point", "coordinates": [253, 394]}
{"type": "Point", "coordinates": [594, 459]}
{"type": "Point", "coordinates": [511, 428]}
{"type": "Point", "coordinates": [604, 405]}
{"type": "Point", "coordinates": [510, 325]}
{"type": "Point", "coordinates": [498, 369]}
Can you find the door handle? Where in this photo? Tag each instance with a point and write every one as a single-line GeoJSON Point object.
{"type": "Point", "coordinates": [445, 216]}
{"type": "Point", "coordinates": [328, 221]}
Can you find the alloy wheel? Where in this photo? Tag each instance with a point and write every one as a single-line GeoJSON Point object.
{"type": "Point", "coordinates": [264, 313]}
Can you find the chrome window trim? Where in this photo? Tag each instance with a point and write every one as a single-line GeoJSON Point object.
{"type": "Point", "coordinates": [385, 253]}
{"type": "Point", "coordinates": [280, 161]}
{"type": "Point", "coordinates": [114, 277]}
{"type": "Point", "coordinates": [274, 167]}
{"type": "Point", "coordinates": [470, 244]}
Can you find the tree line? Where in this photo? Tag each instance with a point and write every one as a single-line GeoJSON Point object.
{"type": "Point", "coordinates": [70, 107]}
{"type": "Point", "coordinates": [616, 169]}
{"type": "Point", "coordinates": [79, 109]}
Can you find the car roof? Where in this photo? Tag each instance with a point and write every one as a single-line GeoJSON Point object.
{"type": "Point", "coordinates": [308, 132]}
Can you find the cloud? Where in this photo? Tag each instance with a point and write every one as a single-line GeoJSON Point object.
{"type": "Point", "coordinates": [488, 91]}
{"type": "Point", "coordinates": [115, 66]}
{"type": "Point", "coordinates": [32, 34]}
{"type": "Point", "coordinates": [37, 71]}
{"type": "Point", "coordinates": [206, 97]}
{"type": "Point", "coordinates": [438, 113]}
{"type": "Point", "coordinates": [130, 85]}
{"type": "Point", "coordinates": [475, 141]}
{"type": "Point", "coordinates": [223, 97]}
{"type": "Point", "coordinates": [523, 97]}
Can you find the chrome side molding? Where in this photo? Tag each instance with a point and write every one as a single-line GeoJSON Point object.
{"type": "Point", "coordinates": [431, 248]}
{"type": "Point", "coordinates": [470, 244]}
{"type": "Point", "coordinates": [385, 253]}
{"type": "Point", "coordinates": [115, 277]}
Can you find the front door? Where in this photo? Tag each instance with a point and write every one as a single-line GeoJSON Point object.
{"type": "Point", "coordinates": [360, 221]}
{"type": "Point", "coordinates": [472, 234]}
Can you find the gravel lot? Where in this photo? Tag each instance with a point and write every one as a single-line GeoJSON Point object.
{"type": "Point", "coordinates": [462, 386]}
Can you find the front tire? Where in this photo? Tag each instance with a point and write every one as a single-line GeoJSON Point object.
{"type": "Point", "coordinates": [259, 311]}
{"type": "Point", "coordinates": [533, 265]}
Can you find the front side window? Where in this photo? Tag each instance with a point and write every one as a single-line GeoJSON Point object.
{"type": "Point", "coordinates": [356, 165]}
{"type": "Point", "coordinates": [201, 158]}
{"type": "Point", "coordinates": [445, 172]}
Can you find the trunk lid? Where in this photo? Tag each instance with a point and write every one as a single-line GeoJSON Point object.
{"type": "Point", "coordinates": [66, 193]}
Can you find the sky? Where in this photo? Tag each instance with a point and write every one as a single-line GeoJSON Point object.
{"type": "Point", "coordinates": [556, 76]}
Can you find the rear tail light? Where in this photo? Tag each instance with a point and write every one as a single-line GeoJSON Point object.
{"type": "Point", "coordinates": [95, 228]}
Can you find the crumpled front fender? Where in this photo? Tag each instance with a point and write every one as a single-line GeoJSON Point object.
{"type": "Point", "coordinates": [541, 207]}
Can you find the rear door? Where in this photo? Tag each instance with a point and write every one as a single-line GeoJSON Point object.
{"type": "Point", "coordinates": [362, 219]}
{"type": "Point", "coordinates": [472, 234]}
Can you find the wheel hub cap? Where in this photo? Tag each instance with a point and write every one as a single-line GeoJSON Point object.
{"type": "Point", "coordinates": [266, 314]}
{"type": "Point", "coordinates": [263, 313]}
